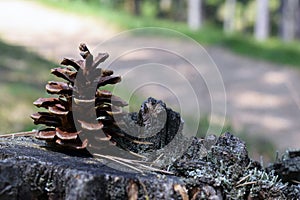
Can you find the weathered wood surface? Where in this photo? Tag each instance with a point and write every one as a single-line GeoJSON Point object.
{"type": "Point", "coordinates": [28, 171]}
{"type": "Point", "coordinates": [211, 168]}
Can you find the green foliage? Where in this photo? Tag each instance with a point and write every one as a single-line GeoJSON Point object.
{"type": "Point", "coordinates": [149, 9]}
{"type": "Point", "coordinates": [272, 50]}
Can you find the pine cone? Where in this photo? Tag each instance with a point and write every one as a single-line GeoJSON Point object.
{"type": "Point", "coordinates": [80, 96]}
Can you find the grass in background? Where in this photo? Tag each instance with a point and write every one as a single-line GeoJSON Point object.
{"type": "Point", "coordinates": [23, 75]}
{"type": "Point", "coordinates": [272, 50]}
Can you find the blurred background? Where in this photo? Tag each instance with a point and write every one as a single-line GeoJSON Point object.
{"type": "Point", "coordinates": [254, 43]}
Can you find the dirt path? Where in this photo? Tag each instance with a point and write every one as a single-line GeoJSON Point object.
{"type": "Point", "coordinates": [262, 98]}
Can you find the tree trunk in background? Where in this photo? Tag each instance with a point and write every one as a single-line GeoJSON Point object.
{"type": "Point", "coordinates": [262, 20]}
{"type": "Point", "coordinates": [137, 7]}
{"type": "Point", "coordinates": [133, 6]}
{"type": "Point", "coordinates": [289, 12]}
{"type": "Point", "coordinates": [158, 9]}
{"type": "Point", "coordinates": [229, 16]}
{"type": "Point", "coordinates": [178, 11]}
{"type": "Point", "coordinates": [298, 21]}
{"type": "Point", "coordinates": [194, 14]}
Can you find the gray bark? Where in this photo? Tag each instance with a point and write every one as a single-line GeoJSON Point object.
{"type": "Point", "coordinates": [262, 20]}
{"type": "Point", "coordinates": [195, 14]}
{"type": "Point", "coordinates": [229, 18]}
{"type": "Point", "coordinates": [289, 19]}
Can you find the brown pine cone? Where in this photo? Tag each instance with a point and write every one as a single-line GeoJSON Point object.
{"type": "Point", "coordinates": [79, 97]}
